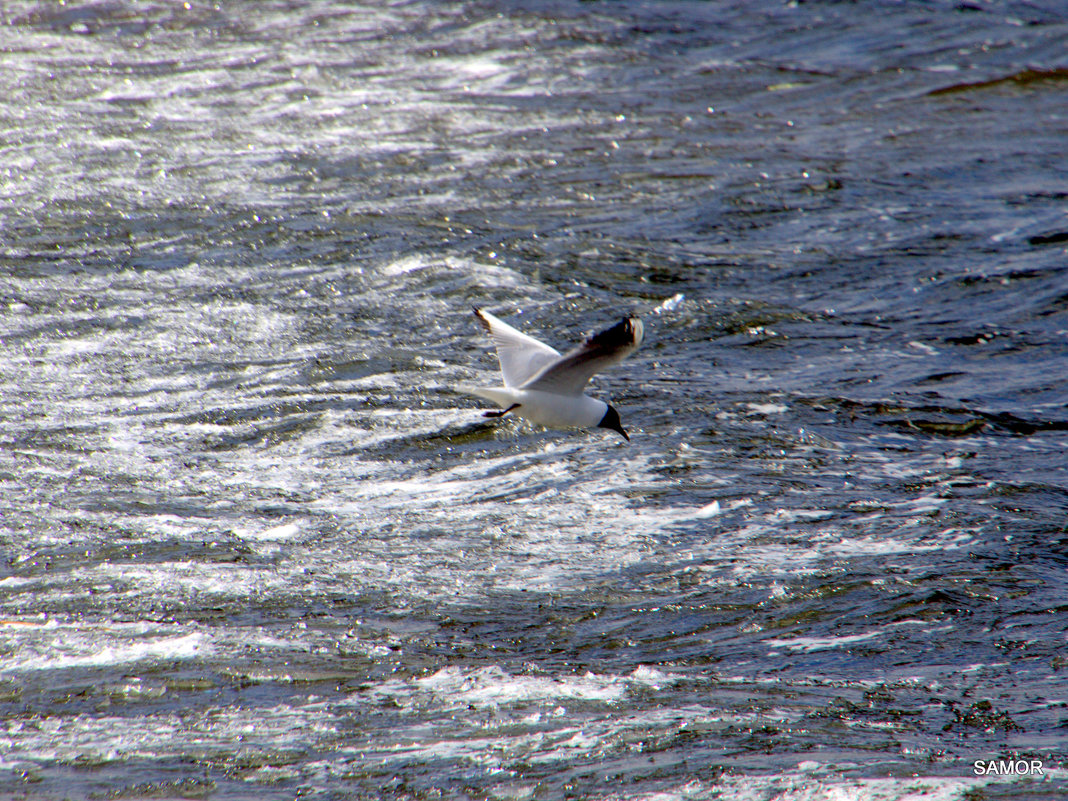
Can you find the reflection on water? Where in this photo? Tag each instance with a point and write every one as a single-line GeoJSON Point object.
{"type": "Point", "coordinates": [255, 541]}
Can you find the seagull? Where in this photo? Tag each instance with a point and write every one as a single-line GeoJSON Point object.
{"type": "Point", "coordinates": [544, 386]}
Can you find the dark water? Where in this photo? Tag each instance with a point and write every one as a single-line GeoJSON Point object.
{"type": "Point", "coordinates": [256, 544]}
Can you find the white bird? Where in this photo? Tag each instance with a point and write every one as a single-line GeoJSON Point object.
{"type": "Point", "coordinates": [544, 386]}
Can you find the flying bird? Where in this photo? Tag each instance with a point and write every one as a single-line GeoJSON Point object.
{"type": "Point", "coordinates": [545, 387]}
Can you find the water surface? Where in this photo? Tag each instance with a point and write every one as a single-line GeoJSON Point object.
{"type": "Point", "coordinates": [257, 545]}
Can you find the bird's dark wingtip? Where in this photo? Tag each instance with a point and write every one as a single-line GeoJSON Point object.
{"type": "Point", "coordinates": [481, 318]}
{"type": "Point", "coordinates": [622, 334]}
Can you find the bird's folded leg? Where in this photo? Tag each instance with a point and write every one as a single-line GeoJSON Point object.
{"type": "Point", "coordinates": [502, 412]}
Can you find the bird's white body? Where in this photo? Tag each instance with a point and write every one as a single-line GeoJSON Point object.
{"type": "Point", "coordinates": [548, 409]}
{"type": "Point", "coordinates": [545, 387]}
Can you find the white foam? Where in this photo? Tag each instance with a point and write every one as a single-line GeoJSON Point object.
{"type": "Point", "coordinates": [671, 304]}
{"type": "Point", "coordinates": [71, 648]}
{"type": "Point", "coordinates": [707, 511]}
{"type": "Point", "coordinates": [162, 735]}
{"type": "Point", "coordinates": [767, 408]}
{"type": "Point", "coordinates": [492, 687]}
{"type": "Point", "coordinates": [803, 786]}
{"type": "Point", "coordinates": [286, 531]}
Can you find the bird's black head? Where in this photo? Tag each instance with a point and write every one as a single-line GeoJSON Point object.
{"type": "Point", "coordinates": [611, 420]}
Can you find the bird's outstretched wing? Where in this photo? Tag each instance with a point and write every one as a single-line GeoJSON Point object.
{"type": "Point", "coordinates": [521, 357]}
{"type": "Point", "coordinates": [569, 374]}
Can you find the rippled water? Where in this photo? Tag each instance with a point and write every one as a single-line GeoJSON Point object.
{"type": "Point", "coordinates": [256, 544]}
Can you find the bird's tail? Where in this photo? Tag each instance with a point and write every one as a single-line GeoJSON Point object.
{"type": "Point", "coordinates": [502, 396]}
